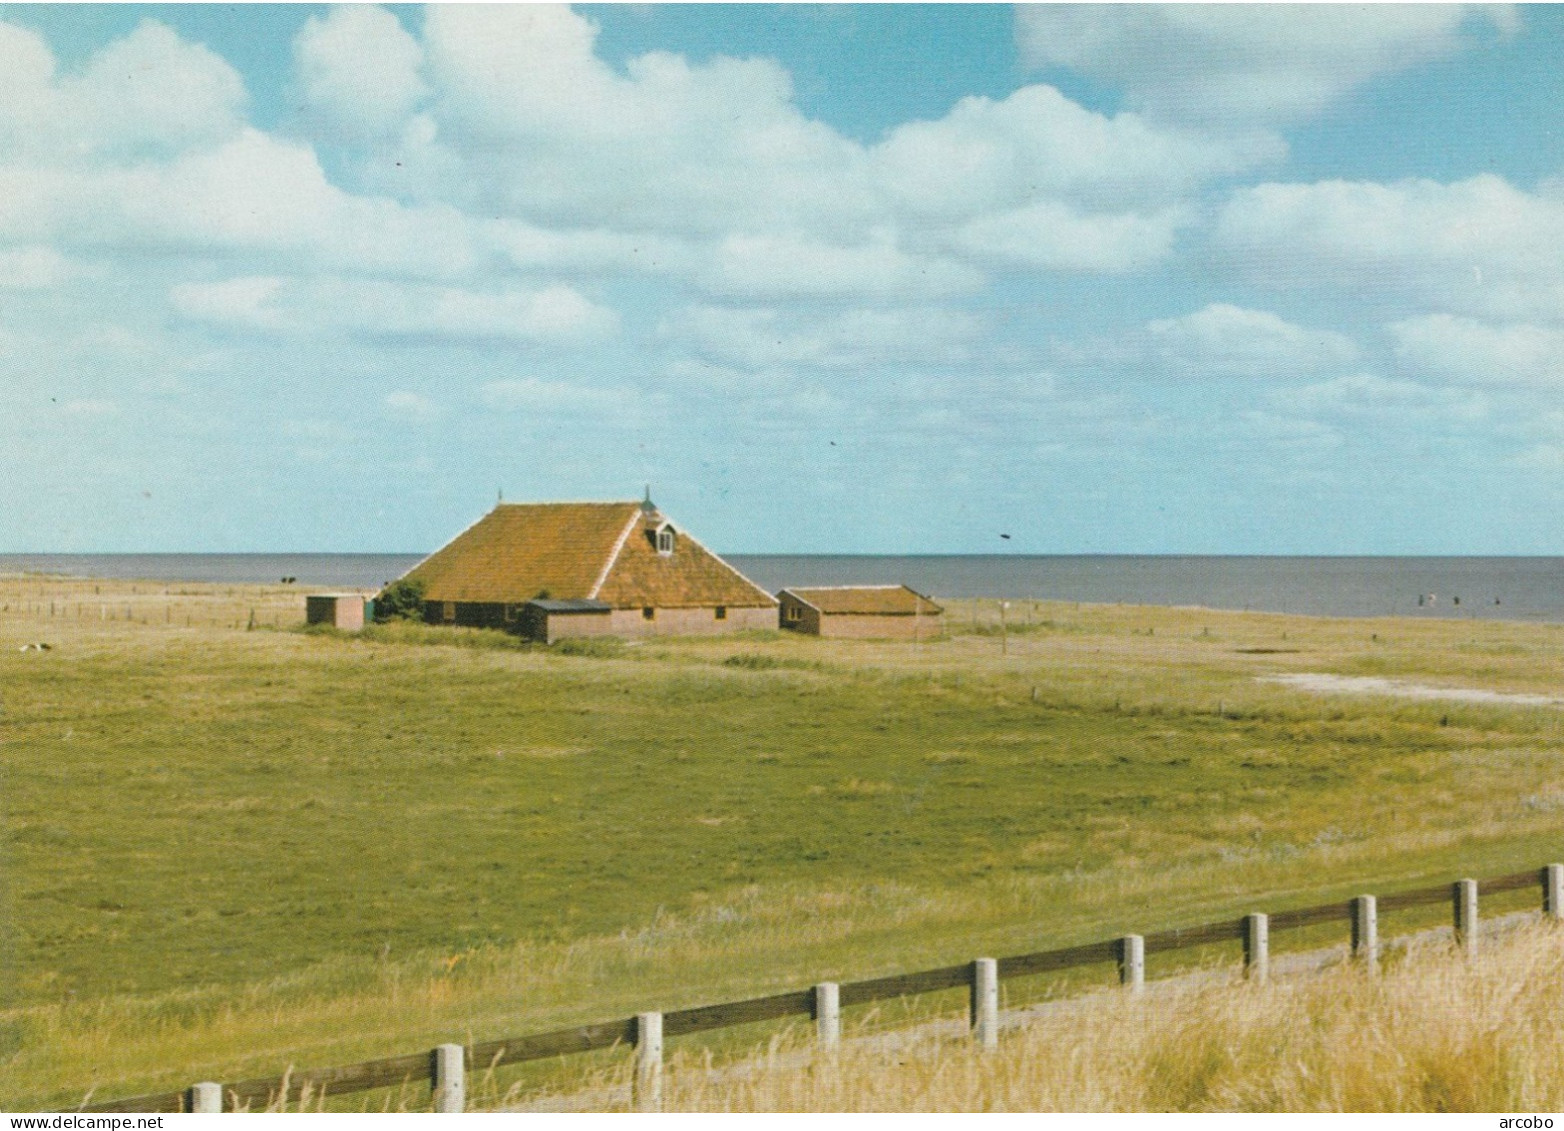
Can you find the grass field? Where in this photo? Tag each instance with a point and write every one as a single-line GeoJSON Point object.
{"type": "Point", "coordinates": [229, 849]}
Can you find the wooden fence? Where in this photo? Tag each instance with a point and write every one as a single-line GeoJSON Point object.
{"type": "Point", "coordinates": [444, 1067]}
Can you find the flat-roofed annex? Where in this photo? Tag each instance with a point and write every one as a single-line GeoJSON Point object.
{"type": "Point", "coordinates": [604, 552]}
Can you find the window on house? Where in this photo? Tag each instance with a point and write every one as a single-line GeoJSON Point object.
{"type": "Point", "coordinates": [510, 614]}
{"type": "Point", "coordinates": [449, 612]}
{"type": "Point", "coordinates": [665, 541]}
{"type": "Point", "coordinates": [795, 613]}
{"type": "Point", "coordinates": [722, 612]}
{"type": "Point", "coordinates": [648, 613]}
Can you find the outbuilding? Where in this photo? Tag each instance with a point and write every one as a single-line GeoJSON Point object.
{"type": "Point", "coordinates": [891, 612]}
{"type": "Point", "coordinates": [340, 610]}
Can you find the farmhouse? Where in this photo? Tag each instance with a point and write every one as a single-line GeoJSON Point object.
{"type": "Point", "coordinates": [884, 611]}
{"type": "Point", "coordinates": [550, 570]}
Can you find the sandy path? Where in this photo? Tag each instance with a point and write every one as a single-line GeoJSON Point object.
{"type": "Point", "coordinates": [1374, 685]}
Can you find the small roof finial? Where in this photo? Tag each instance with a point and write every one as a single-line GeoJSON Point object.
{"type": "Point", "coordinates": [647, 506]}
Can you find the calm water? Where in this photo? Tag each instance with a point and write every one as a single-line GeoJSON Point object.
{"type": "Point", "coordinates": [1507, 588]}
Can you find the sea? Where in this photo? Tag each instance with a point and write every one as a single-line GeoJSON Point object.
{"type": "Point", "coordinates": [1504, 588]}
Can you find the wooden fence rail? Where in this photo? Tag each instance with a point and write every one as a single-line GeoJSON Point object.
{"type": "Point", "coordinates": [444, 1067]}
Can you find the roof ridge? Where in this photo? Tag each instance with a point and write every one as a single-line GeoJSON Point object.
{"type": "Point", "coordinates": [619, 545]}
{"type": "Point", "coordinates": [574, 503]}
{"type": "Point", "coordinates": [720, 560]}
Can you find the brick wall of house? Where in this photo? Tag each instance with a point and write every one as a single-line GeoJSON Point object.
{"type": "Point", "coordinates": [853, 626]}
{"type": "Point", "coordinates": [558, 626]}
{"type": "Point", "coordinates": [690, 622]}
{"type": "Point", "coordinates": [807, 619]}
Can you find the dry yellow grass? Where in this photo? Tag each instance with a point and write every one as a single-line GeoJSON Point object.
{"type": "Point", "coordinates": [1433, 1033]}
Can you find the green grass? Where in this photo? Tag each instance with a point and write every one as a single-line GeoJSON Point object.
{"type": "Point", "coordinates": [228, 841]}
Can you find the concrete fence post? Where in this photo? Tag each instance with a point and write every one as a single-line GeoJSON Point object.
{"type": "Point", "coordinates": [1132, 962]}
{"type": "Point", "coordinates": [648, 1086]}
{"type": "Point", "coordinates": [985, 1002]}
{"type": "Point", "coordinates": [828, 1014]}
{"type": "Point", "coordinates": [205, 1098]}
{"type": "Point", "coordinates": [1465, 898]}
{"type": "Point", "coordinates": [450, 1083]}
{"type": "Point", "coordinates": [1257, 946]}
{"type": "Point", "coordinates": [1553, 892]}
{"type": "Point", "coordinates": [1365, 931]}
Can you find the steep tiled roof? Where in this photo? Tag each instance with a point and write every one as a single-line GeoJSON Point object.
{"type": "Point", "coordinates": [867, 600]}
{"type": "Point", "coordinates": [690, 576]}
{"type": "Point", "coordinates": [519, 551]}
{"type": "Point", "coordinates": [580, 551]}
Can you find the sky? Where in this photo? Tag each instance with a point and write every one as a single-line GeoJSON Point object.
{"type": "Point", "coordinates": [830, 279]}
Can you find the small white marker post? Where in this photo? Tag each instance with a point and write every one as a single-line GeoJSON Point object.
{"type": "Point", "coordinates": [828, 1014]}
{"type": "Point", "coordinates": [648, 1062]}
{"type": "Point", "coordinates": [985, 1002]}
{"type": "Point", "coordinates": [1132, 962]}
{"type": "Point", "coordinates": [206, 1098]}
{"type": "Point", "coordinates": [1257, 946]}
{"type": "Point", "coordinates": [1465, 897]}
{"type": "Point", "coordinates": [1553, 892]}
{"type": "Point", "coordinates": [1365, 931]}
{"type": "Point", "coordinates": [450, 1084]}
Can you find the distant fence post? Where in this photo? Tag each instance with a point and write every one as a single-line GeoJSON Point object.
{"type": "Point", "coordinates": [828, 1014]}
{"type": "Point", "coordinates": [1465, 898]}
{"type": "Point", "coordinates": [205, 1098]}
{"type": "Point", "coordinates": [648, 1088]}
{"type": "Point", "coordinates": [1132, 962]}
{"type": "Point", "coordinates": [450, 1085]}
{"type": "Point", "coordinates": [1365, 931]}
{"type": "Point", "coordinates": [985, 1002]}
{"type": "Point", "coordinates": [1553, 892]}
{"type": "Point", "coordinates": [1257, 946]}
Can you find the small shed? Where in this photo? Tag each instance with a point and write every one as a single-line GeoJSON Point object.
{"type": "Point", "coordinates": [340, 610]}
{"type": "Point", "coordinates": [548, 620]}
{"type": "Point", "coordinates": [892, 612]}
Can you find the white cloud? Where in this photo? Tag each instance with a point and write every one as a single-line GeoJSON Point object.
{"type": "Point", "coordinates": [377, 309]}
{"type": "Point", "coordinates": [411, 406]}
{"type": "Point", "coordinates": [1367, 395]}
{"type": "Point", "coordinates": [987, 156]}
{"type": "Point", "coordinates": [1245, 62]}
{"type": "Point", "coordinates": [525, 122]}
{"type": "Point", "coordinates": [148, 94]}
{"type": "Point", "coordinates": [89, 407]}
{"type": "Point", "coordinates": [242, 302]}
{"type": "Point", "coordinates": [760, 339]}
{"type": "Point", "coordinates": [532, 394]}
{"type": "Point", "coordinates": [1227, 340]}
{"type": "Point", "coordinates": [1479, 246]}
{"type": "Point", "coordinates": [501, 144]}
{"type": "Point", "coordinates": [539, 126]}
{"type": "Point", "coordinates": [1477, 352]}
{"type": "Point", "coordinates": [358, 71]}
{"type": "Point", "coordinates": [33, 268]}
{"type": "Point", "coordinates": [1054, 236]}
{"type": "Point", "coordinates": [785, 267]}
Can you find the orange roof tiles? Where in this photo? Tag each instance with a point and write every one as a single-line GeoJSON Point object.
{"type": "Point", "coordinates": [578, 551]}
{"type": "Point", "coordinates": [692, 575]}
{"type": "Point", "coordinates": [867, 600]}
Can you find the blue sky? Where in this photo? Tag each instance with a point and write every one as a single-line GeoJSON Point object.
{"type": "Point", "coordinates": [1212, 279]}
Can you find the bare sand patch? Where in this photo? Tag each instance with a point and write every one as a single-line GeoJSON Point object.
{"type": "Point", "coordinates": [1324, 684]}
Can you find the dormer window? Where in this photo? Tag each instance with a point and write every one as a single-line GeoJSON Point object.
{"type": "Point", "coordinates": [665, 540]}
